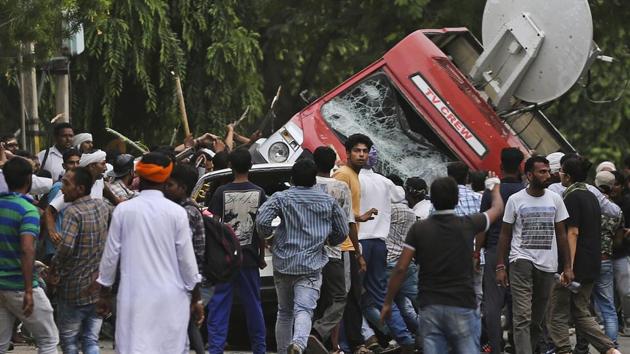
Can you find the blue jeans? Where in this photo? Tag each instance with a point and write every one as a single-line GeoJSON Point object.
{"type": "Point", "coordinates": [407, 295]}
{"type": "Point", "coordinates": [405, 298]}
{"type": "Point", "coordinates": [604, 299]}
{"type": "Point", "coordinates": [78, 322]}
{"type": "Point", "coordinates": [297, 299]}
{"type": "Point", "coordinates": [445, 327]}
{"type": "Point", "coordinates": [247, 285]}
{"type": "Point", "coordinates": [375, 284]}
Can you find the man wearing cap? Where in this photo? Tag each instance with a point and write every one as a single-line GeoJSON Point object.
{"type": "Point", "coordinates": [123, 175]}
{"type": "Point", "coordinates": [610, 183]}
{"type": "Point", "coordinates": [605, 166]}
{"type": "Point", "coordinates": [150, 241]}
{"type": "Point", "coordinates": [611, 234]}
{"type": "Point", "coordinates": [83, 142]}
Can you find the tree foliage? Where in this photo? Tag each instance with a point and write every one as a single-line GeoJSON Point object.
{"type": "Point", "coordinates": [231, 54]}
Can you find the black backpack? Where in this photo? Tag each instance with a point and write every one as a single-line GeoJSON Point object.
{"type": "Point", "coordinates": [223, 252]}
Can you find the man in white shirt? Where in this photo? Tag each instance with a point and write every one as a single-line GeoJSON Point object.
{"type": "Point", "coordinates": [533, 231]}
{"type": "Point", "coordinates": [51, 159]}
{"type": "Point", "coordinates": [150, 241]}
{"type": "Point", "coordinates": [376, 191]}
{"type": "Point", "coordinates": [416, 189]}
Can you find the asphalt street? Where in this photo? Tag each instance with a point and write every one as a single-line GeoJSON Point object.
{"type": "Point", "coordinates": [106, 348]}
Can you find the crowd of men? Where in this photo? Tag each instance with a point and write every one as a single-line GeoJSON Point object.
{"type": "Point", "coordinates": [362, 263]}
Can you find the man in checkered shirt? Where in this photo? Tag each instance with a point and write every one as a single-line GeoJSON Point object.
{"type": "Point", "coordinates": [469, 203]}
{"type": "Point", "coordinates": [83, 235]}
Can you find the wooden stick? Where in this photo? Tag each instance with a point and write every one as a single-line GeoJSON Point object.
{"type": "Point", "coordinates": [182, 105]}
{"type": "Point", "coordinates": [127, 140]}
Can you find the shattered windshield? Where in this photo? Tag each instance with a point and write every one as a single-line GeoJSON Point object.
{"type": "Point", "coordinates": [373, 108]}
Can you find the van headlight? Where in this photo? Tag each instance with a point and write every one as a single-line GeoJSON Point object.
{"type": "Point", "coordinates": [278, 152]}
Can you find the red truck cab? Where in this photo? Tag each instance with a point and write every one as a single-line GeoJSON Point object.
{"type": "Point", "coordinates": [421, 111]}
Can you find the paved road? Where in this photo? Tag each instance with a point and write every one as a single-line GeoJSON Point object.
{"type": "Point", "coordinates": [106, 348]}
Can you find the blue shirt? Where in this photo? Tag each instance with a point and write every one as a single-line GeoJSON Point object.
{"type": "Point", "coordinates": [49, 246]}
{"type": "Point", "coordinates": [309, 218]}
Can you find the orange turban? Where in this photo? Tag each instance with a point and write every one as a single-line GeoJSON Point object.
{"type": "Point", "coordinates": [152, 172]}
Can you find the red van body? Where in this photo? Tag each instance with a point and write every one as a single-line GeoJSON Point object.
{"type": "Point", "coordinates": [424, 79]}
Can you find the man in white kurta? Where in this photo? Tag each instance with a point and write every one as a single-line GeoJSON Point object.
{"type": "Point", "coordinates": [151, 237]}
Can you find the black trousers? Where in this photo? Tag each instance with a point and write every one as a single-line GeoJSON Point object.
{"type": "Point", "coordinates": [494, 298]}
{"type": "Point", "coordinates": [352, 316]}
{"type": "Point", "coordinates": [332, 299]}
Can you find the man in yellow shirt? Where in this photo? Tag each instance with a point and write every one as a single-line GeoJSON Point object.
{"type": "Point", "coordinates": [357, 149]}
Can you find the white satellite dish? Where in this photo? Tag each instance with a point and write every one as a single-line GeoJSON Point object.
{"type": "Point", "coordinates": [534, 50]}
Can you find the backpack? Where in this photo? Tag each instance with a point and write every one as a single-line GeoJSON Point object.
{"type": "Point", "coordinates": [223, 251]}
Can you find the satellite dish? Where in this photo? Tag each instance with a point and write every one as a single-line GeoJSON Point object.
{"type": "Point", "coordinates": [534, 50]}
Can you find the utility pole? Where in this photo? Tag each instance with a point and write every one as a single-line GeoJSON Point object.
{"type": "Point", "coordinates": [62, 87]}
{"type": "Point", "coordinates": [29, 90]}
{"type": "Point", "coordinates": [20, 79]}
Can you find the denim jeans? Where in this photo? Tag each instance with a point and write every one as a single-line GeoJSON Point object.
{"type": "Point", "coordinates": [621, 270]}
{"type": "Point", "coordinates": [445, 327]}
{"type": "Point", "coordinates": [404, 300]}
{"type": "Point", "coordinates": [40, 323]}
{"type": "Point", "coordinates": [604, 300]}
{"type": "Point", "coordinates": [407, 295]}
{"type": "Point", "coordinates": [375, 284]}
{"type": "Point", "coordinates": [297, 299]}
{"type": "Point", "coordinates": [78, 324]}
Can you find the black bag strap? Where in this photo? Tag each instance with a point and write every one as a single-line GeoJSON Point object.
{"type": "Point", "coordinates": [43, 165]}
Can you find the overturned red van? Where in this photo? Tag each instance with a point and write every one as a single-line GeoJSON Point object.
{"type": "Point", "coordinates": [421, 111]}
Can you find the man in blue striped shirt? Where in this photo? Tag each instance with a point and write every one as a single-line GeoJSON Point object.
{"type": "Point", "coordinates": [310, 219]}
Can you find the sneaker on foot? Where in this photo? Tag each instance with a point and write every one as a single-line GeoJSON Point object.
{"type": "Point", "coordinates": [362, 349]}
{"type": "Point", "coordinates": [372, 343]}
{"type": "Point", "coordinates": [293, 349]}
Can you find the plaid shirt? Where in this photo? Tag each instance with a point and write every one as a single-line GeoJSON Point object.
{"type": "Point", "coordinates": [469, 201]}
{"type": "Point", "coordinates": [120, 190]}
{"type": "Point", "coordinates": [402, 219]}
{"type": "Point", "coordinates": [83, 235]}
{"type": "Point", "coordinates": [195, 220]}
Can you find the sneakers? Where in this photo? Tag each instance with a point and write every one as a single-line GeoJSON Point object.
{"type": "Point", "coordinates": [315, 346]}
{"type": "Point", "coordinates": [362, 349]}
{"type": "Point", "coordinates": [372, 343]}
{"type": "Point", "coordinates": [293, 349]}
